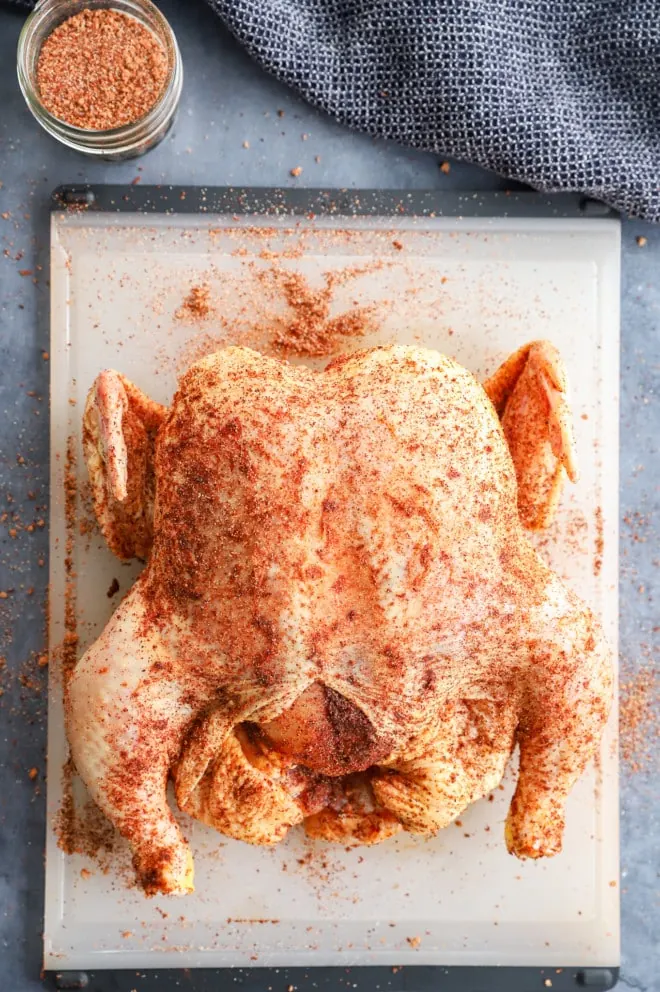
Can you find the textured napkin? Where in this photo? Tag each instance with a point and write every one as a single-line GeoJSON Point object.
{"type": "Point", "coordinates": [559, 94]}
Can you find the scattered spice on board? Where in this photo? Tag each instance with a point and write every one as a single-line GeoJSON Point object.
{"type": "Point", "coordinates": [308, 329]}
{"type": "Point", "coordinates": [196, 306]}
{"type": "Point", "coordinates": [82, 829]}
{"type": "Point", "coordinates": [101, 69]}
{"type": "Point", "coordinates": [599, 544]}
{"type": "Point", "coordinates": [69, 647]}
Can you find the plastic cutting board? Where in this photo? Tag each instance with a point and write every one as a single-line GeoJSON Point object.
{"type": "Point", "coordinates": [475, 287]}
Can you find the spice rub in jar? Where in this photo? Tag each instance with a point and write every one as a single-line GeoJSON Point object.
{"type": "Point", "coordinates": [101, 69]}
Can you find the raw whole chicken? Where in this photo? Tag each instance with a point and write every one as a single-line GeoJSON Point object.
{"type": "Point", "coordinates": [341, 621]}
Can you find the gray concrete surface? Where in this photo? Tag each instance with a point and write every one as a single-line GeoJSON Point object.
{"type": "Point", "coordinates": [227, 101]}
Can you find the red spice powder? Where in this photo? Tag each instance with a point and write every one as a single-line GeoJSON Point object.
{"type": "Point", "coordinates": [69, 648]}
{"type": "Point", "coordinates": [304, 329]}
{"type": "Point", "coordinates": [639, 723]}
{"type": "Point", "coordinates": [308, 329]}
{"type": "Point", "coordinates": [82, 830]}
{"type": "Point", "coordinates": [599, 545]}
{"type": "Point", "coordinates": [197, 305]}
{"type": "Point", "coordinates": [101, 69]}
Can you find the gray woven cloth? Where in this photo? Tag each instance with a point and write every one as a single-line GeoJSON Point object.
{"type": "Point", "coordinates": [560, 94]}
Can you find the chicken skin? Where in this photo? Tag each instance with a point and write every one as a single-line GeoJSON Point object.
{"type": "Point", "coordinates": [341, 622]}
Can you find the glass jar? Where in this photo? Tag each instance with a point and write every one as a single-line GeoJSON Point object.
{"type": "Point", "coordinates": [128, 140]}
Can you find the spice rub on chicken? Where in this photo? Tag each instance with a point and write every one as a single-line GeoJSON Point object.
{"type": "Point", "coordinates": [341, 621]}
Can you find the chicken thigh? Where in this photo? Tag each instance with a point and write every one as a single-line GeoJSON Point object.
{"type": "Point", "coordinates": [341, 621]}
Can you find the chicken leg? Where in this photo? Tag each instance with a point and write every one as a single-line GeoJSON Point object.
{"type": "Point", "coordinates": [126, 720]}
{"type": "Point", "coordinates": [565, 705]}
{"type": "Point", "coordinates": [456, 761]}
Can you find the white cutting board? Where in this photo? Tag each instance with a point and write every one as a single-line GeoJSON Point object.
{"type": "Point", "coordinates": [476, 290]}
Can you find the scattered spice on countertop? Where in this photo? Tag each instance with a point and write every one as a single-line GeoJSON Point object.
{"type": "Point", "coordinates": [639, 713]}
{"type": "Point", "coordinates": [639, 525]}
{"type": "Point", "coordinates": [101, 69]}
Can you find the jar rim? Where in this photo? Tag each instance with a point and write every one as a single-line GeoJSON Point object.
{"type": "Point", "coordinates": [100, 139]}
